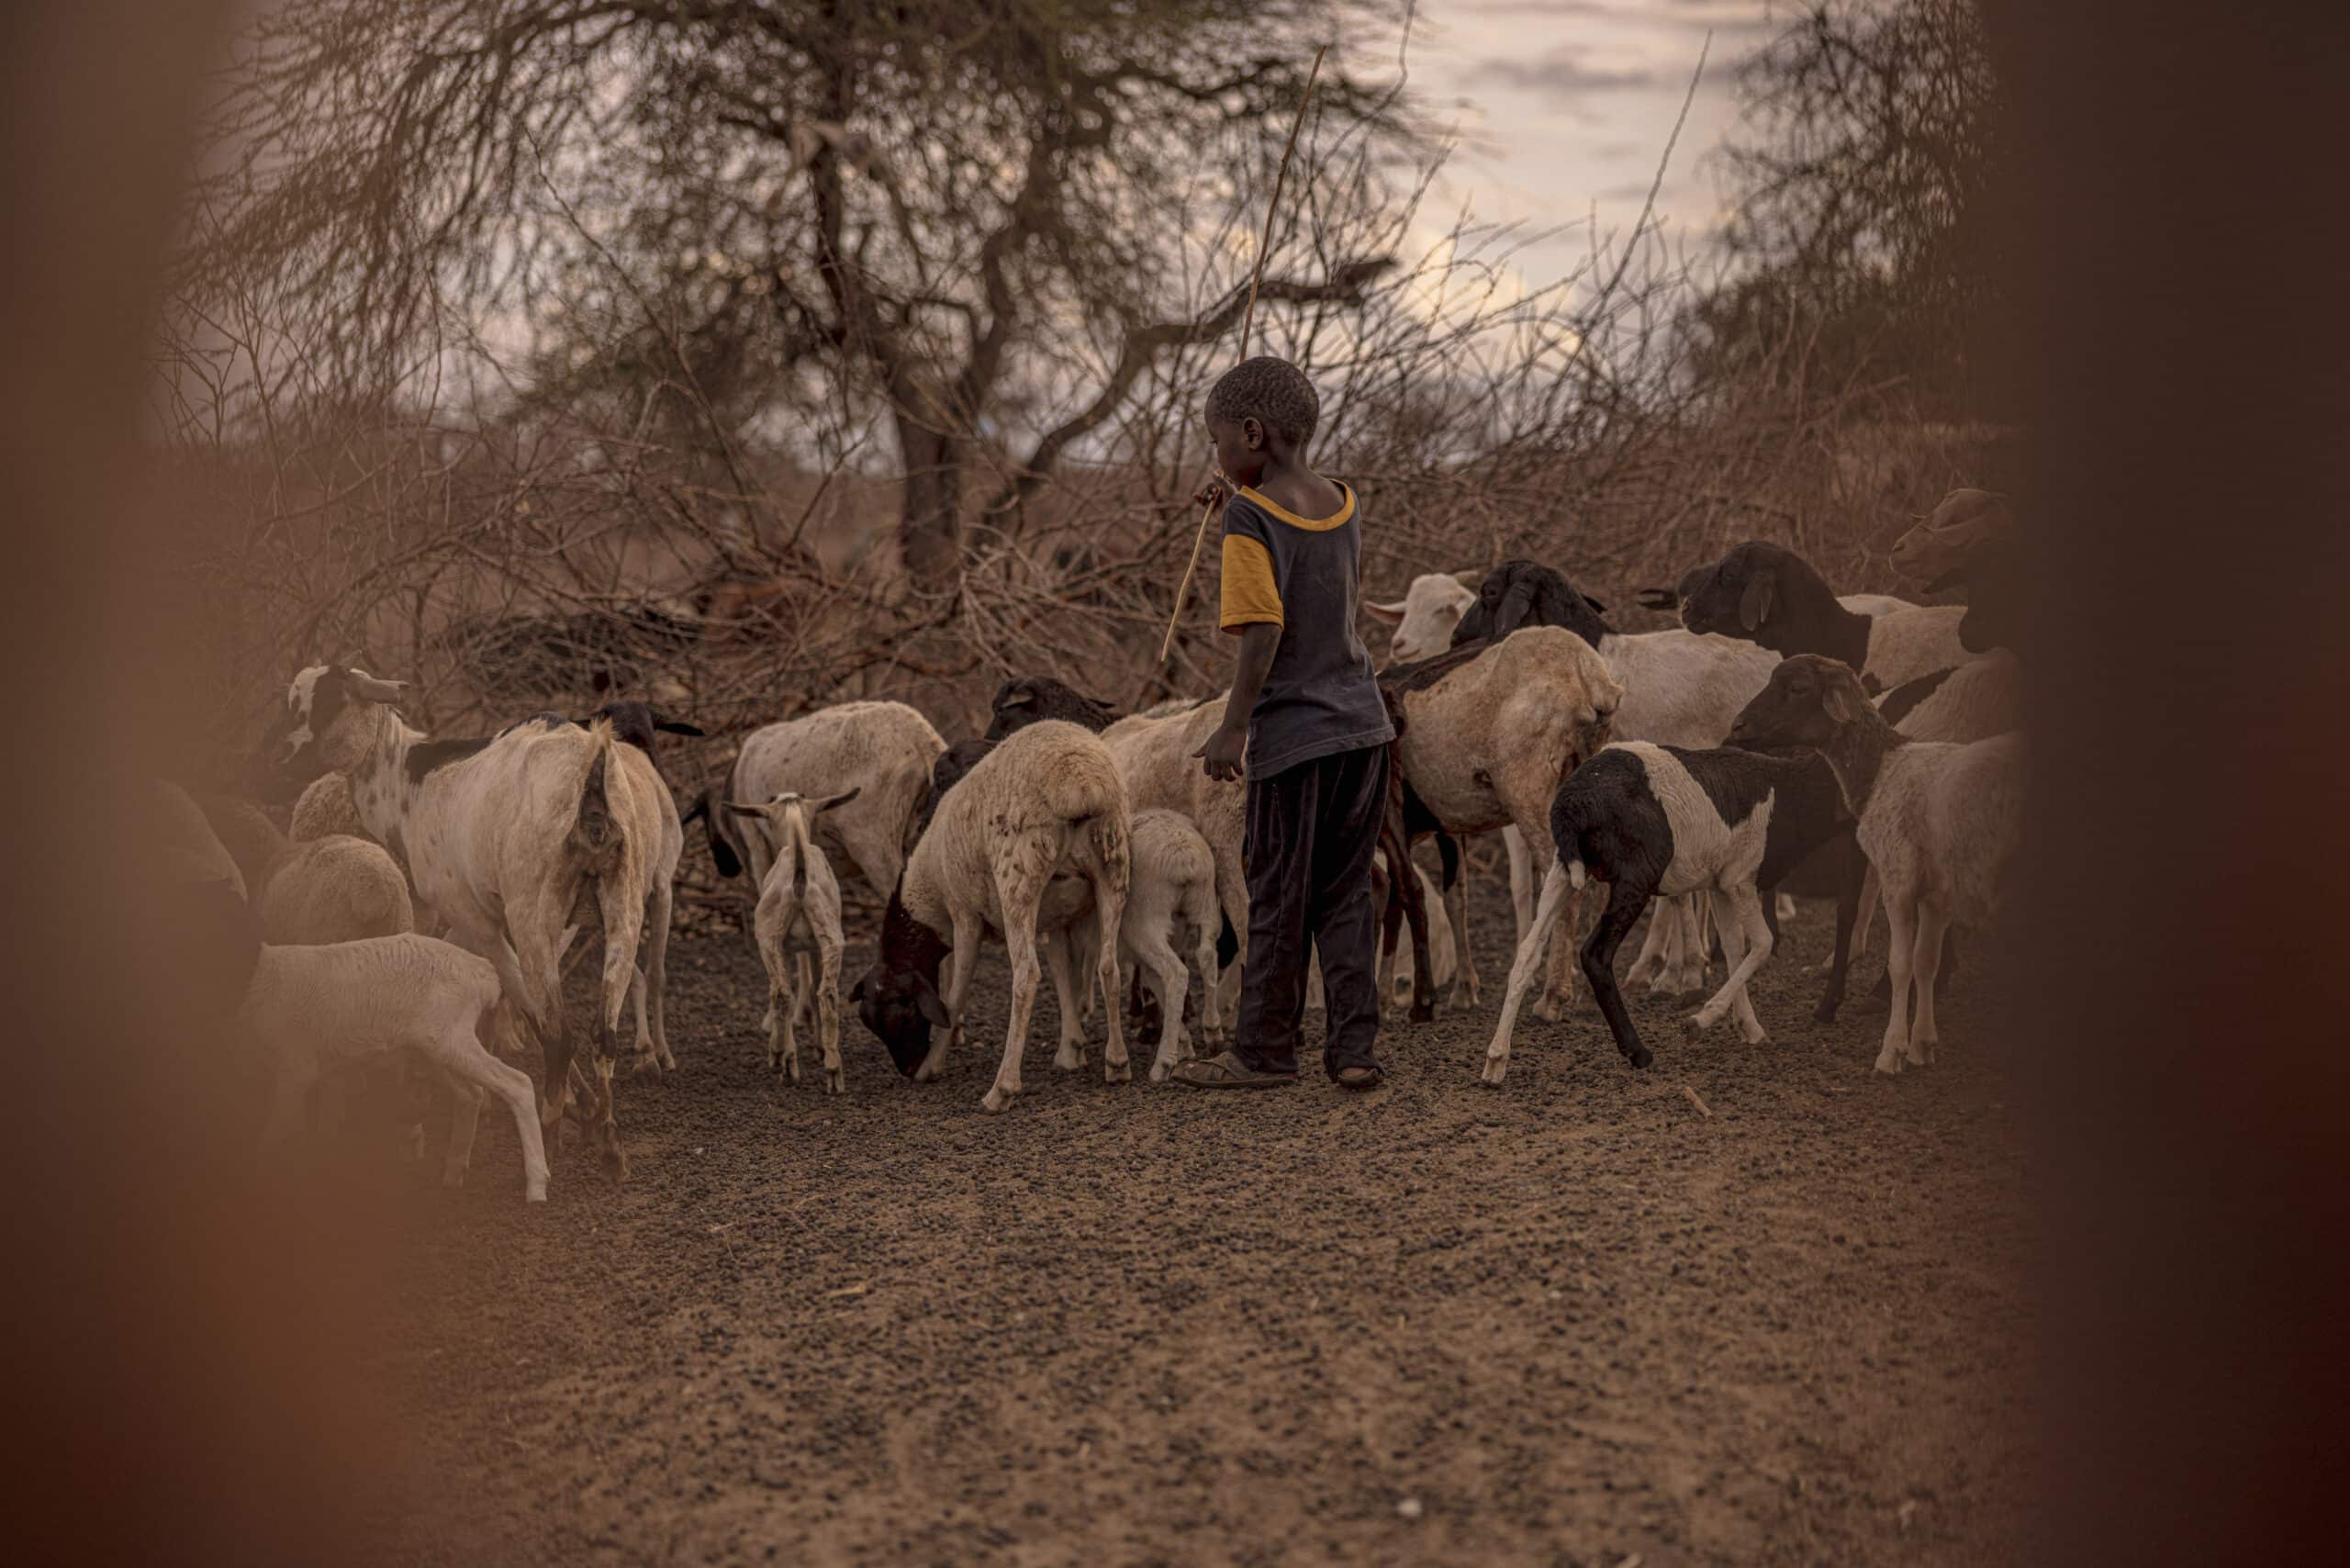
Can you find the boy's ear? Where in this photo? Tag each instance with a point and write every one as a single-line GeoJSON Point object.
{"type": "Point", "coordinates": [1252, 431]}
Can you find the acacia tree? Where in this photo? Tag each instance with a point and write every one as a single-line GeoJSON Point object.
{"type": "Point", "coordinates": [1862, 178]}
{"type": "Point", "coordinates": [924, 205]}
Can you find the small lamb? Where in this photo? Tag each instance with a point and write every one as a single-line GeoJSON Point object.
{"type": "Point", "coordinates": [798, 913]}
{"type": "Point", "coordinates": [314, 1010]}
{"type": "Point", "coordinates": [1174, 880]}
{"type": "Point", "coordinates": [1940, 823]}
{"type": "Point", "coordinates": [335, 889]}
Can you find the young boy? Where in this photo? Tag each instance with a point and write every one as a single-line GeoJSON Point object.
{"type": "Point", "coordinates": [1308, 713]}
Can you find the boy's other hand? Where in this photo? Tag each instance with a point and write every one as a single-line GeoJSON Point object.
{"type": "Point", "coordinates": [1212, 494]}
{"type": "Point", "coordinates": [1221, 756]}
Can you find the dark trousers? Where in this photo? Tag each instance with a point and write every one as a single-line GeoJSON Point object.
{"type": "Point", "coordinates": [1308, 841]}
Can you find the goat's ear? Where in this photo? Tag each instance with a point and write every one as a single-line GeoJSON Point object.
{"type": "Point", "coordinates": [843, 798]}
{"type": "Point", "coordinates": [1658, 598]}
{"type": "Point", "coordinates": [1516, 605]}
{"type": "Point", "coordinates": [1754, 604]}
{"type": "Point", "coordinates": [1954, 577]}
{"type": "Point", "coordinates": [1392, 615]}
{"type": "Point", "coordinates": [926, 1003]}
{"type": "Point", "coordinates": [1843, 700]}
{"type": "Point", "coordinates": [738, 809]}
{"type": "Point", "coordinates": [1023, 698]}
{"type": "Point", "coordinates": [1470, 577]}
{"type": "Point", "coordinates": [679, 727]}
{"type": "Point", "coordinates": [701, 808]}
{"type": "Point", "coordinates": [1597, 607]}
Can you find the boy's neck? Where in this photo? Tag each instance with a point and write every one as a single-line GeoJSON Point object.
{"type": "Point", "coordinates": [1289, 484]}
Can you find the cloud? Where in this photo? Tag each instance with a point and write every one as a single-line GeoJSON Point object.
{"type": "Point", "coordinates": [1567, 70]}
{"type": "Point", "coordinates": [1678, 16]}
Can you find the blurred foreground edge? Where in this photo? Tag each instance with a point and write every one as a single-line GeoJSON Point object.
{"type": "Point", "coordinates": [183, 1355]}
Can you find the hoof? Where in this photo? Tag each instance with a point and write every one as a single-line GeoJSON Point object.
{"type": "Point", "coordinates": [1888, 1063]}
{"type": "Point", "coordinates": [453, 1179]}
{"type": "Point", "coordinates": [535, 1195]}
{"type": "Point", "coordinates": [1824, 1013]}
{"type": "Point", "coordinates": [791, 1069]}
{"type": "Point", "coordinates": [1160, 1068]}
{"type": "Point", "coordinates": [834, 1083]}
{"type": "Point", "coordinates": [1068, 1058]}
{"type": "Point", "coordinates": [616, 1163]}
{"type": "Point", "coordinates": [998, 1100]}
{"type": "Point", "coordinates": [1639, 1057]}
{"type": "Point", "coordinates": [1497, 1069]}
{"type": "Point", "coordinates": [1697, 1023]}
{"type": "Point", "coordinates": [1117, 1072]}
{"type": "Point", "coordinates": [1760, 1038]}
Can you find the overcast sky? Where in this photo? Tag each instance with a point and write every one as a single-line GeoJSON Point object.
{"type": "Point", "coordinates": [1563, 109]}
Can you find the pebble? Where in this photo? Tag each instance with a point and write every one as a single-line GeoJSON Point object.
{"type": "Point", "coordinates": [1409, 1508]}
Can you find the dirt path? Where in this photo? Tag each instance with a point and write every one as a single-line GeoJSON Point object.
{"type": "Point", "coordinates": [1572, 1321]}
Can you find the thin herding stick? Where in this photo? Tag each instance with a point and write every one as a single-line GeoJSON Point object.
{"type": "Point", "coordinates": [1248, 318]}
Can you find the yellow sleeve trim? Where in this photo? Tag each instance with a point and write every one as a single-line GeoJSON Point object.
{"type": "Point", "coordinates": [1250, 595]}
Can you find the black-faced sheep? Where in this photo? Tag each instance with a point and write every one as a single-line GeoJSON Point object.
{"type": "Point", "coordinates": [1655, 820]}
{"type": "Point", "coordinates": [1939, 823]}
{"type": "Point", "coordinates": [1768, 595]}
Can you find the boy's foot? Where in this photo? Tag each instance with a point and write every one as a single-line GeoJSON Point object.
{"type": "Point", "coordinates": [1359, 1078]}
{"type": "Point", "coordinates": [1225, 1070]}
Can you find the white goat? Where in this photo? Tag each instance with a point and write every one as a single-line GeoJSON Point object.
{"type": "Point", "coordinates": [1153, 752]}
{"type": "Point", "coordinates": [350, 1005]}
{"type": "Point", "coordinates": [798, 914]}
{"type": "Point", "coordinates": [1939, 823]}
{"type": "Point", "coordinates": [1486, 739]}
{"type": "Point", "coordinates": [883, 750]}
{"type": "Point", "coordinates": [501, 837]}
{"type": "Point", "coordinates": [1032, 840]}
{"type": "Point", "coordinates": [1424, 618]}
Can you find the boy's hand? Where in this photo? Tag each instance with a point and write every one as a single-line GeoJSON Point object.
{"type": "Point", "coordinates": [1221, 756]}
{"type": "Point", "coordinates": [1212, 494]}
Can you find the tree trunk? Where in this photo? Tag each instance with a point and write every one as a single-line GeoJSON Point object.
{"type": "Point", "coordinates": [930, 520]}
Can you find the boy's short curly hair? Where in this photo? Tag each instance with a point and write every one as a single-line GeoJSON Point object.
{"type": "Point", "coordinates": [1271, 391]}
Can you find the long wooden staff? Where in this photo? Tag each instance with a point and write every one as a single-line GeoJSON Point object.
{"type": "Point", "coordinates": [1247, 318]}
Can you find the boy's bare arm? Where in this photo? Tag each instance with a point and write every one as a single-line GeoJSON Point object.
{"type": "Point", "coordinates": [1225, 748]}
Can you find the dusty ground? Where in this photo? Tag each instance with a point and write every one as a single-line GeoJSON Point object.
{"type": "Point", "coordinates": [1571, 1321]}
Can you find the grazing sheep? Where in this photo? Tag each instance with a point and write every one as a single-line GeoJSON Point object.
{"type": "Point", "coordinates": [501, 837]}
{"type": "Point", "coordinates": [1424, 618]}
{"type": "Point", "coordinates": [882, 749]}
{"type": "Point", "coordinates": [1490, 732]}
{"type": "Point", "coordinates": [1652, 820]}
{"type": "Point", "coordinates": [325, 809]}
{"type": "Point", "coordinates": [799, 913]}
{"type": "Point", "coordinates": [1940, 823]}
{"type": "Point", "coordinates": [1032, 840]}
{"type": "Point", "coordinates": [1768, 595]}
{"type": "Point", "coordinates": [310, 1010]}
{"type": "Point", "coordinates": [1962, 521]}
{"type": "Point", "coordinates": [1680, 689]}
{"type": "Point", "coordinates": [1028, 699]}
{"type": "Point", "coordinates": [1173, 880]}
{"type": "Point", "coordinates": [338, 888]}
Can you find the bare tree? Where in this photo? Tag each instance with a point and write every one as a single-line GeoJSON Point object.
{"type": "Point", "coordinates": [919, 204]}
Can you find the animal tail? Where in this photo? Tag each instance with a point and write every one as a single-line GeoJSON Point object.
{"type": "Point", "coordinates": [1107, 835]}
{"type": "Point", "coordinates": [595, 832]}
{"type": "Point", "coordinates": [1567, 829]}
{"type": "Point", "coordinates": [798, 846]}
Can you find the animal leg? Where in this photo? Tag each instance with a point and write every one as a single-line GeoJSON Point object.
{"type": "Point", "coordinates": [1018, 899]}
{"type": "Point", "coordinates": [1746, 943]}
{"type": "Point", "coordinates": [465, 1115]}
{"type": "Point", "coordinates": [1926, 960]}
{"type": "Point", "coordinates": [656, 972]}
{"type": "Point", "coordinates": [1071, 1054]}
{"type": "Point", "coordinates": [1521, 970]}
{"type": "Point", "coordinates": [1625, 899]}
{"type": "Point", "coordinates": [828, 1014]}
{"type": "Point", "coordinates": [470, 1068]}
{"type": "Point", "coordinates": [1900, 920]}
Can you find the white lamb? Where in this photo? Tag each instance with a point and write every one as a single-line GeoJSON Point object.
{"type": "Point", "coordinates": [314, 1010]}
{"type": "Point", "coordinates": [336, 888]}
{"type": "Point", "coordinates": [326, 808]}
{"type": "Point", "coordinates": [798, 914]}
{"type": "Point", "coordinates": [1173, 880]}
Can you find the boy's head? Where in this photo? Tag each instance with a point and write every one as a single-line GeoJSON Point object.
{"type": "Point", "coordinates": [1261, 409]}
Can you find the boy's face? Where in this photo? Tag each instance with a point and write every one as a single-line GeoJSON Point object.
{"type": "Point", "coordinates": [1242, 448]}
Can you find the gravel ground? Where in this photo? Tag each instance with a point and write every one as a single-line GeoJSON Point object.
{"type": "Point", "coordinates": [1575, 1320]}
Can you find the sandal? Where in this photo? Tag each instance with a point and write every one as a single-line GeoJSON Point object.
{"type": "Point", "coordinates": [1227, 1072]}
{"type": "Point", "coordinates": [1359, 1078]}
